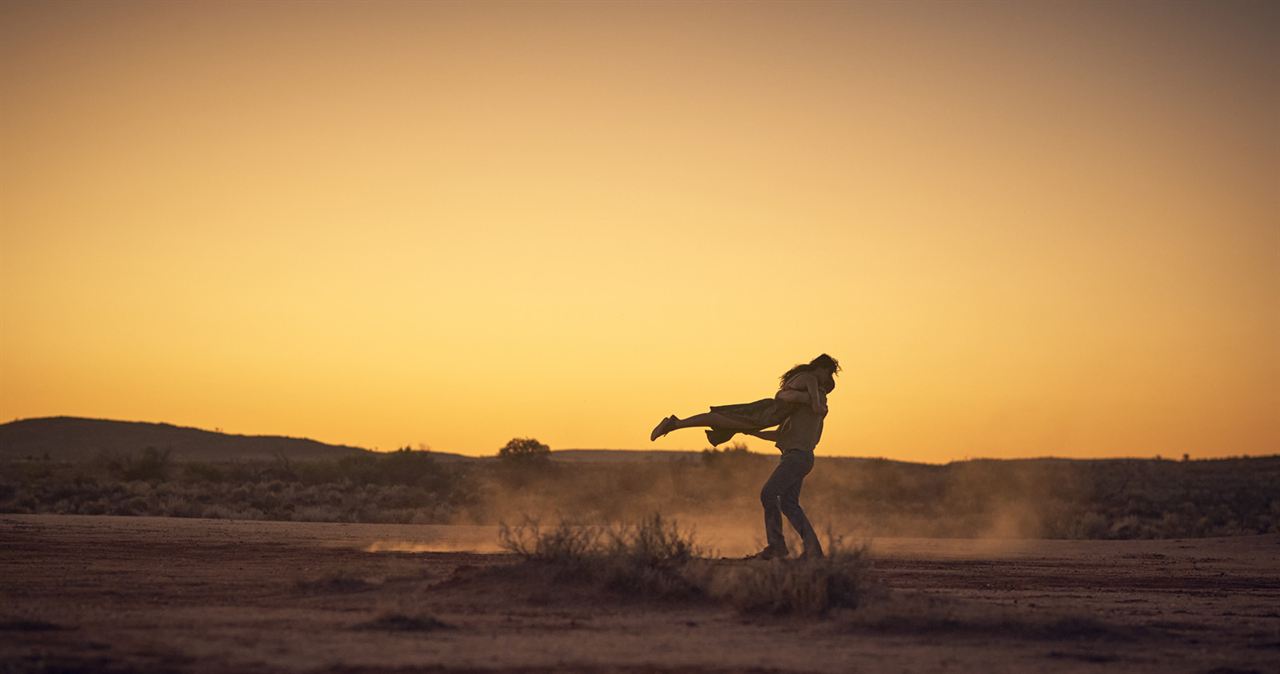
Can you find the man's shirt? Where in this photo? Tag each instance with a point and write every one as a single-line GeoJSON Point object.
{"type": "Point", "coordinates": [803, 429]}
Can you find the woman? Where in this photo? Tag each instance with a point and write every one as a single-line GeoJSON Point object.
{"type": "Point", "coordinates": [724, 421]}
{"type": "Point", "coordinates": [798, 409]}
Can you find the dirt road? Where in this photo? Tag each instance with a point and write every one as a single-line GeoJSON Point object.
{"type": "Point", "coordinates": [152, 594]}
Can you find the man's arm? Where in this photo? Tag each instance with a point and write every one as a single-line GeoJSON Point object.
{"type": "Point", "coordinates": [815, 394]}
{"type": "Point", "coordinates": [771, 436]}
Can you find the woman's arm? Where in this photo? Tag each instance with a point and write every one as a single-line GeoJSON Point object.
{"type": "Point", "coordinates": [810, 395]}
{"type": "Point", "coordinates": [793, 390]}
{"type": "Point", "coordinates": [787, 395]}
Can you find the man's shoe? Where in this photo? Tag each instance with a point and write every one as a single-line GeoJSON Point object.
{"type": "Point", "coordinates": [770, 552]}
{"type": "Point", "coordinates": [816, 554]}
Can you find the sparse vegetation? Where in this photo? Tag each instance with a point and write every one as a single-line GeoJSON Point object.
{"type": "Point", "coordinates": [149, 465]}
{"type": "Point", "coordinates": [566, 543]}
{"type": "Point", "coordinates": [403, 486]}
{"type": "Point", "coordinates": [1037, 498]}
{"type": "Point", "coordinates": [733, 452]}
{"type": "Point", "coordinates": [657, 559]}
{"type": "Point", "coordinates": [648, 559]}
{"type": "Point", "coordinates": [841, 579]}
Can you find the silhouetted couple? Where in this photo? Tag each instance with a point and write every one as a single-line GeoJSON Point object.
{"type": "Point", "coordinates": [798, 410]}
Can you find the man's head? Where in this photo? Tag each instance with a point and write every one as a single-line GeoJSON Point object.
{"type": "Point", "coordinates": [826, 364]}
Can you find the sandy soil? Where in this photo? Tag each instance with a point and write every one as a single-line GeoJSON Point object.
{"type": "Point", "coordinates": [152, 594]}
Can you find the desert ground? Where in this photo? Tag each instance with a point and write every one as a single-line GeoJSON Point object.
{"type": "Point", "coordinates": [123, 594]}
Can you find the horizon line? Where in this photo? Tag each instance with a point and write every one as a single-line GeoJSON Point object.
{"type": "Point", "coordinates": [1159, 456]}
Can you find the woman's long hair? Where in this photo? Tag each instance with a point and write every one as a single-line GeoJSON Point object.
{"type": "Point", "coordinates": [823, 361]}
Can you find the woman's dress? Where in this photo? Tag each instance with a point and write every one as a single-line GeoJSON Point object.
{"type": "Point", "coordinates": [759, 415]}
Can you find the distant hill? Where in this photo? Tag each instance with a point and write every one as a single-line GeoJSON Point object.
{"type": "Point", "coordinates": [73, 438]}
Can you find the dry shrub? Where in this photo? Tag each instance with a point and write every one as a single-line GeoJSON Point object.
{"type": "Point", "coordinates": [655, 541]}
{"type": "Point", "coordinates": [565, 543]}
{"type": "Point", "coordinates": [651, 558]}
{"type": "Point", "coordinates": [657, 559]}
{"type": "Point", "coordinates": [150, 465]}
{"type": "Point", "coordinates": [648, 559]}
{"type": "Point", "coordinates": [813, 587]}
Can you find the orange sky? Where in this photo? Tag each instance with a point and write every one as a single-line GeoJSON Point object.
{"type": "Point", "coordinates": [1025, 229]}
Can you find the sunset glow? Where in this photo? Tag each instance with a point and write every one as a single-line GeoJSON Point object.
{"type": "Point", "coordinates": [1024, 229]}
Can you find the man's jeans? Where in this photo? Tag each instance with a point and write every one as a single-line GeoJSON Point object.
{"type": "Point", "coordinates": [781, 496]}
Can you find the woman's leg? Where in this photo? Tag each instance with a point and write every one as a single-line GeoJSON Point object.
{"type": "Point", "coordinates": [713, 420]}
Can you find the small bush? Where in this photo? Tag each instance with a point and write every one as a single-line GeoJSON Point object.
{"type": "Point", "coordinates": [149, 465]}
{"type": "Point", "coordinates": [649, 559]}
{"type": "Point", "coordinates": [841, 579]}
{"type": "Point", "coordinates": [656, 541]}
{"type": "Point", "coordinates": [525, 450]}
{"type": "Point", "coordinates": [652, 559]}
{"type": "Point", "coordinates": [203, 472]}
{"type": "Point", "coordinates": [566, 543]}
{"type": "Point", "coordinates": [657, 559]}
{"type": "Point", "coordinates": [401, 467]}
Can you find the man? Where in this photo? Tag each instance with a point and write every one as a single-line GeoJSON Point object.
{"type": "Point", "coordinates": [796, 437]}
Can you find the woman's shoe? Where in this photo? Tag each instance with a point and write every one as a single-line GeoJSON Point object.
{"type": "Point", "coordinates": [662, 428]}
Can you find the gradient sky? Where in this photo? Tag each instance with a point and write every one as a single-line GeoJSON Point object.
{"type": "Point", "coordinates": [1026, 229]}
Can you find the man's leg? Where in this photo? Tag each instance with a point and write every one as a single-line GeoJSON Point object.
{"type": "Point", "coordinates": [788, 473]}
{"type": "Point", "coordinates": [790, 505]}
{"type": "Point", "coordinates": [770, 493]}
